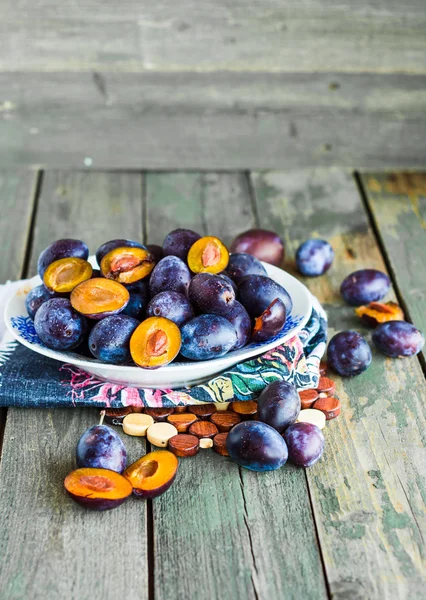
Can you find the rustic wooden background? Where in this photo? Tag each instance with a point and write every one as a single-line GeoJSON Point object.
{"type": "Point", "coordinates": [218, 84]}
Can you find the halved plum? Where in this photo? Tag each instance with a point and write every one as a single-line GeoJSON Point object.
{"type": "Point", "coordinates": [127, 264]}
{"type": "Point", "coordinates": [97, 298]}
{"type": "Point", "coordinates": [63, 275]}
{"type": "Point", "coordinates": [208, 255]}
{"type": "Point", "coordinates": [153, 474]}
{"type": "Point", "coordinates": [97, 489]}
{"type": "Point", "coordinates": [270, 322]}
{"type": "Point", "coordinates": [112, 245]}
{"type": "Point", "coordinates": [155, 342]}
{"type": "Point", "coordinates": [61, 249]}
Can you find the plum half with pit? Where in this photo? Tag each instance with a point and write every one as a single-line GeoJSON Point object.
{"type": "Point", "coordinates": [305, 443]}
{"type": "Point", "coordinates": [261, 243]}
{"type": "Point", "coordinates": [206, 337]}
{"type": "Point", "coordinates": [113, 244]}
{"type": "Point", "coordinates": [256, 446]}
{"type": "Point", "coordinates": [155, 343]}
{"type": "Point", "coordinates": [36, 297]}
{"type": "Point", "coordinates": [278, 405]}
{"type": "Point", "coordinates": [314, 257]}
{"type": "Point", "coordinates": [365, 286]}
{"type": "Point", "coordinates": [239, 318]}
{"type": "Point", "coordinates": [171, 305]}
{"type": "Point", "coordinates": [127, 264]}
{"type": "Point", "coordinates": [170, 275]}
{"type": "Point", "coordinates": [178, 242]}
{"type": "Point", "coordinates": [100, 447]}
{"type": "Point", "coordinates": [242, 264]}
{"type": "Point", "coordinates": [59, 326]}
{"type": "Point", "coordinates": [211, 294]}
{"type": "Point", "coordinates": [65, 248]}
{"type": "Point", "coordinates": [348, 353]}
{"type": "Point", "coordinates": [257, 292]}
{"type": "Point", "coordinates": [208, 255]}
{"type": "Point", "coordinates": [97, 489]}
{"type": "Point", "coordinates": [109, 339]}
{"type": "Point", "coordinates": [398, 339]}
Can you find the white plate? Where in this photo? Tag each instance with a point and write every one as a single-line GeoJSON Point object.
{"type": "Point", "coordinates": [175, 375]}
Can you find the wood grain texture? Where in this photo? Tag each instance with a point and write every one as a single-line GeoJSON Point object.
{"type": "Point", "coordinates": [368, 491]}
{"type": "Point", "coordinates": [50, 547]}
{"type": "Point", "coordinates": [219, 532]}
{"type": "Point", "coordinates": [398, 205]}
{"type": "Point", "coordinates": [17, 196]}
{"type": "Point", "coordinates": [138, 35]}
{"type": "Point", "coordinates": [214, 120]}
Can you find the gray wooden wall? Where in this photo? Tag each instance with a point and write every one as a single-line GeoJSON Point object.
{"type": "Point", "coordinates": [218, 84]}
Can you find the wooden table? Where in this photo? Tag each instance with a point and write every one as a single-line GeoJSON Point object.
{"type": "Point", "coordinates": [351, 527]}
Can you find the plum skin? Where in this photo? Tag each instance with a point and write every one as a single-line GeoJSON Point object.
{"type": "Point", "coordinates": [270, 322]}
{"type": "Point", "coordinates": [170, 275]}
{"type": "Point", "coordinates": [261, 243]}
{"type": "Point", "coordinates": [171, 305]}
{"type": "Point", "coordinates": [100, 447]}
{"type": "Point", "coordinates": [36, 297]}
{"type": "Point", "coordinates": [305, 443]}
{"type": "Point", "coordinates": [211, 294]}
{"type": "Point", "coordinates": [314, 257]}
{"type": "Point", "coordinates": [365, 286]}
{"type": "Point", "coordinates": [256, 446]}
{"type": "Point", "coordinates": [178, 242]}
{"type": "Point", "coordinates": [398, 339]}
{"type": "Point", "coordinates": [242, 264]}
{"type": "Point", "coordinates": [239, 318]}
{"type": "Point", "coordinates": [206, 337]}
{"type": "Point", "coordinates": [278, 405]}
{"type": "Point", "coordinates": [59, 326]}
{"type": "Point", "coordinates": [256, 293]}
{"type": "Point", "coordinates": [109, 340]}
{"type": "Point", "coordinates": [348, 353]}
{"type": "Point", "coordinates": [64, 248]}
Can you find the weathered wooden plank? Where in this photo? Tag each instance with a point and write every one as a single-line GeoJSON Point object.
{"type": "Point", "coordinates": [398, 205]}
{"type": "Point", "coordinates": [315, 35]}
{"type": "Point", "coordinates": [212, 120]}
{"type": "Point", "coordinates": [17, 196]}
{"type": "Point", "coordinates": [219, 532]}
{"type": "Point", "coordinates": [50, 547]}
{"type": "Point", "coordinates": [368, 492]}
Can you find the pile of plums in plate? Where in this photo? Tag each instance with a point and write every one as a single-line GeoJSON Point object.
{"type": "Point", "coordinates": [149, 304]}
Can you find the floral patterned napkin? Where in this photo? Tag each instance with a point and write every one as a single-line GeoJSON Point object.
{"type": "Point", "coordinates": [30, 379]}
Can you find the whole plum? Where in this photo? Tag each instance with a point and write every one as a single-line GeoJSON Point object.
{"type": "Point", "coordinates": [100, 447]}
{"type": "Point", "coordinates": [138, 300]}
{"type": "Point", "coordinates": [170, 275]}
{"type": "Point", "coordinates": [171, 305]}
{"type": "Point", "coordinates": [65, 248]}
{"type": "Point", "coordinates": [178, 242]}
{"type": "Point", "coordinates": [59, 326]}
{"type": "Point", "coordinates": [241, 264]}
{"type": "Point", "coordinates": [109, 339]}
{"type": "Point", "coordinates": [398, 339]}
{"type": "Point", "coordinates": [211, 294]}
{"type": "Point", "coordinates": [261, 243]}
{"type": "Point", "coordinates": [314, 257]}
{"type": "Point", "coordinates": [241, 321]}
{"type": "Point", "coordinates": [206, 337]}
{"type": "Point", "coordinates": [348, 353]}
{"type": "Point", "coordinates": [305, 443]}
{"type": "Point", "coordinates": [231, 282]}
{"type": "Point", "coordinates": [113, 244]}
{"type": "Point", "coordinates": [365, 286]}
{"type": "Point", "coordinates": [256, 446]}
{"type": "Point", "coordinates": [278, 405]}
{"type": "Point", "coordinates": [36, 297]}
{"type": "Point", "coordinates": [256, 293]}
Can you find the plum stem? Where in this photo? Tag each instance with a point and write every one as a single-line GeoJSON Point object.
{"type": "Point", "coordinates": [102, 413]}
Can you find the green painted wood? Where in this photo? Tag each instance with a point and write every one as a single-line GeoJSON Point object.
{"type": "Point", "coordinates": [398, 205]}
{"type": "Point", "coordinates": [214, 120]}
{"type": "Point", "coordinates": [368, 491]}
{"type": "Point", "coordinates": [50, 547]}
{"type": "Point", "coordinates": [17, 195]}
{"type": "Point", "coordinates": [220, 532]}
{"type": "Point", "coordinates": [216, 35]}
